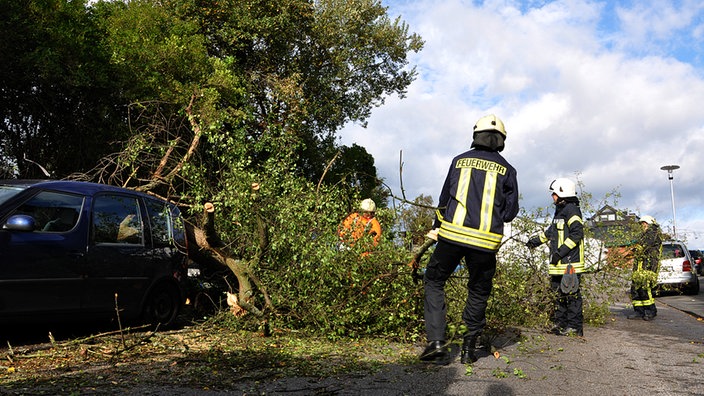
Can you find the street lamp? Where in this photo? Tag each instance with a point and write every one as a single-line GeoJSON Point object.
{"type": "Point", "coordinates": [669, 169]}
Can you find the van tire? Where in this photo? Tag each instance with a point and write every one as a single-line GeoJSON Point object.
{"type": "Point", "coordinates": [693, 288]}
{"type": "Point", "coordinates": [162, 305]}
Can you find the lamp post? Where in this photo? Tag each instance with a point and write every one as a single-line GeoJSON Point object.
{"type": "Point", "coordinates": [669, 169]}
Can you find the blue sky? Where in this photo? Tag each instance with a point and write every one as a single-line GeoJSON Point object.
{"type": "Point", "coordinates": [607, 91]}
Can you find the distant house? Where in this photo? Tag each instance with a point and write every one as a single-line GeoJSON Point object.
{"type": "Point", "coordinates": [617, 230]}
{"type": "Point", "coordinates": [612, 226]}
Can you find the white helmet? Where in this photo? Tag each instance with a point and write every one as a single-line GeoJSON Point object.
{"type": "Point", "coordinates": [648, 219]}
{"type": "Point", "coordinates": [563, 188]}
{"type": "Point", "coordinates": [367, 205]}
{"type": "Point", "coordinates": [490, 123]}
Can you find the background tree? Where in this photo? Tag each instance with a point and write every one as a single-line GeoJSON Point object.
{"type": "Point", "coordinates": [354, 170]}
{"type": "Point", "coordinates": [58, 90]}
{"type": "Point", "coordinates": [417, 219]}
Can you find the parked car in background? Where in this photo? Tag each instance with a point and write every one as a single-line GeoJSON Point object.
{"type": "Point", "coordinates": [698, 258]}
{"type": "Point", "coordinates": [76, 250]}
{"type": "Point", "coordinates": [677, 269]}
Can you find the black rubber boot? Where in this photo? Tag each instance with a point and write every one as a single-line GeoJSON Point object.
{"type": "Point", "coordinates": [571, 331]}
{"type": "Point", "coordinates": [434, 350]}
{"type": "Point", "coordinates": [469, 344]}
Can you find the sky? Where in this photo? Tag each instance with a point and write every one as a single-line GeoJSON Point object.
{"type": "Point", "coordinates": [602, 92]}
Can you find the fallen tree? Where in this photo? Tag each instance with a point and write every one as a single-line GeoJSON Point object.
{"type": "Point", "coordinates": [234, 116]}
{"type": "Point", "coordinates": [205, 246]}
{"type": "Point", "coordinates": [206, 249]}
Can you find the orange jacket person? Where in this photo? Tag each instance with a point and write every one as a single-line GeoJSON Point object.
{"type": "Point", "coordinates": [357, 224]}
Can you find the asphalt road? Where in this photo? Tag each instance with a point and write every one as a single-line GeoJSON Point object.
{"type": "Point", "coordinates": [624, 357]}
{"type": "Point", "coordinates": [693, 305]}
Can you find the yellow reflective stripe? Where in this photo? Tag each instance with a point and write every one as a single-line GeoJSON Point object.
{"type": "Point", "coordinates": [649, 301]}
{"type": "Point", "coordinates": [643, 303]}
{"type": "Point", "coordinates": [559, 269]}
{"type": "Point", "coordinates": [488, 201]}
{"type": "Point", "coordinates": [461, 196]}
{"type": "Point", "coordinates": [469, 236]}
{"type": "Point", "coordinates": [573, 219]}
{"type": "Point", "coordinates": [477, 239]}
{"type": "Point", "coordinates": [543, 237]}
{"type": "Point", "coordinates": [461, 230]}
{"type": "Point", "coordinates": [567, 241]}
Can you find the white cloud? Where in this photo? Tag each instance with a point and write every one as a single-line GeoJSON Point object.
{"type": "Point", "coordinates": [583, 87]}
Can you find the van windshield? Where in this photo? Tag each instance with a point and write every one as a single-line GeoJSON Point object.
{"type": "Point", "coordinates": [670, 251]}
{"type": "Point", "coordinates": [7, 192]}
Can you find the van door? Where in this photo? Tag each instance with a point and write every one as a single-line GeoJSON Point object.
{"type": "Point", "coordinates": [115, 277]}
{"type": "Point", "coordinates": [42, 271]}
{"type": "Point", "coordinates": [168, 240]}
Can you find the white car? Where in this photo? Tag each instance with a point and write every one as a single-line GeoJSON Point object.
{"type": "Point", "coordinates": [677, 269]}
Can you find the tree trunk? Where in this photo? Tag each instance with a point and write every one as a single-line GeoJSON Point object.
{"type": "Point", "coordinates": [207, 250]}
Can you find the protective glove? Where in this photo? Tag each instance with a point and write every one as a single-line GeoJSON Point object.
{"type": "Point", "coordinates": [555, 258]}
{"type": "Point", "coordinates": [433, 234]}
{"type": "Point", "coordinates": [533, 243]}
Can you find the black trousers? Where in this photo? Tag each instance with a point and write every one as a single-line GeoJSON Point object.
{"type": "Point", "coordinates": [568, 307]}
{"type": "Point", "coordinates": [643, 301]}
{"type": "Point", "coordinates": [481, 266]}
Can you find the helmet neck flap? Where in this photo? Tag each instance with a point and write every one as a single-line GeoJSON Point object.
{"type": "Point", "coordinates": [488, 140]}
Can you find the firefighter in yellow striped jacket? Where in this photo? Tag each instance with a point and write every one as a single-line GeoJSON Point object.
{"type": "Point", "coordinates": [646, 265]}
{"type": "Point", "coordinates": [566, 242]}
{"type": "Point", "coordinates": [479, 195]}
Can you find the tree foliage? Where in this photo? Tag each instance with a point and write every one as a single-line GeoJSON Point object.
{"type": "Point", "coordinates": [228, 95]}
{"type": "Point", "coordinates": [59, 92]}
{"type": "Point", "coordinates": [416, 219]}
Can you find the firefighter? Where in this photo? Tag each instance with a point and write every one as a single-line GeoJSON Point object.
{"type": "Point", "coordinates": [359, 224]}
{"type": "Point", "coordinates": [479, 195]}
{"type": "Point", "coordinates": [646, 263]}
{"type": "Point", "coordinates": [566, 243]}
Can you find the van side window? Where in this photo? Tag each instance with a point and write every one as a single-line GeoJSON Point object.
{"type": "Point", "coordinates": [160, 222]}
{"type": "Point", "coordinates": [117, 219]}
{"type": "Point", "coordinates": [53, 211]}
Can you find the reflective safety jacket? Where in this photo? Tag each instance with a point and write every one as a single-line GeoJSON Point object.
{"type": "Point", "coordinates": [355, 226]}
{"type": "Point", "coordinates": [566, 237]}
{"type": "Point", "coordinates": [648, 250]}
{"type": "Point", "coordinates": [479, 195]}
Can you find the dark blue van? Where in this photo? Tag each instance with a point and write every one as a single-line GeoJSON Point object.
{"type": "Point", "coordinates": [73, 250]}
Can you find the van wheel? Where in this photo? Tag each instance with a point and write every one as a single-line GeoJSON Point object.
{"type": "Point", "coordinates": [692, 289]}
{"type": "Point", "coordinates": [162, 305]}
